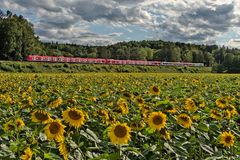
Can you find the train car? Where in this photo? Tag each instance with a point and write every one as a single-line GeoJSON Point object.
{"type": "Point", "coordinates": [37, 58]}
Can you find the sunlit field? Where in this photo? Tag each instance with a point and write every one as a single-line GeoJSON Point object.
{"type": "Point", "coordinates": [119, 116]}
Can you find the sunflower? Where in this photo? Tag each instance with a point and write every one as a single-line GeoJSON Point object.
{"type": "Point", "coordinates": [104, 114]}
{"type": "Point", "coordinates": [232, 110]}
{"type": "Point", "coordinates": [92, 99]}
{"type": "Point", "coordinates": [63, 150]}
{"type": "Point", "coordinates": [221, 102]}
{"type": "Point", "coordinates": [122, 103]}
{"type": "Point", "coordinates": [170, 108]}
{"type": "Point", "coordinates": [215, 114]}
{"type": "Point", "coordinates": [30, 102]}
{"type": "Point", "coordinates": [165, 134]}
{"type": "Point", "coordinates": [74, 117]}
{"type": "Point", "coordinates": [202, 104]}
{"type": "Point", "coordinates": [20, 124]}
{"type": "Point", "coordinates": [184, 120]}
{"type": "Point", "coordinates": [40, 116]}
{"type": "Point", "coordinates": [27, 154]}
{"type": "Point", "coordinates": [227, 139]}
{"type": "Point", "coordinates": [56, 103]}
{"type": "Point", "coordinates": [157, 120]}
{"type": "Point", "coordinates": [139, 100]}
{"type": "Point", "coordinates": [55, 130]}
{"type": "Point", "coordinates": [8, 126]}
{"type": "Point", "coordinates": [154, 90]}
{"type": "Point", "coordinates": [29, 89]}
{"type": "Point", "coordinates": [119, 133]}
{"type": "Point", "coordinates": [194, 81]}
{"type": "Point", "coordinates": [227, 114]}
{"type": "Point", "coordinates": [190, 105]}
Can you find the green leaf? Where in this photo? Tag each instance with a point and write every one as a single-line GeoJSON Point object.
{"type": "Point", "coordinates": [94, 136]}
{"type": "Point", "coordinates": [169, 147]}
{"type": "Point", "coordinates": [51, 156]}
{"type": "Point", "coordinates": [207, 148]}
{"type": "Point", "coordinates": [112, 156]}
{"type": "Point", "coordinates": [203, 127]}
{"type": "Point", "coordinates": [90, 135]}
{"type": "Point", "coordinates": [78, 154]}
{"type": "Point", "coordinates": [214, 158]}
{"type": "Point", "coordinates": [5, 151]}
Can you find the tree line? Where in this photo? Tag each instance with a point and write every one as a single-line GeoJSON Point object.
{"type": "Point", "coordinates": [18, 40]}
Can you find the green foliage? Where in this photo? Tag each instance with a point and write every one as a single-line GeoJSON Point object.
{"type": "Point", "coordinates": [17, 39]}
{"type": "Point", "coordinates": [28, 67]}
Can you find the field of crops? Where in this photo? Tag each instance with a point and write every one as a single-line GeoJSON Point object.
{"type": "Point", "coordinates": [119, 116]}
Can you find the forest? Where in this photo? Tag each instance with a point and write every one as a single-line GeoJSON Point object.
{"type": "Point", "coordinates": [18, 40]}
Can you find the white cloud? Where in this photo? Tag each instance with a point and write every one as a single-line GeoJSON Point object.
{"type": "Point", "coordinates": [198, 21]}
{"type": "Point", "coordinates": [233, 43]}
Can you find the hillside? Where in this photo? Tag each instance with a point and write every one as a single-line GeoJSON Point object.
{"type": "Point", "coordinates": [40, 67]}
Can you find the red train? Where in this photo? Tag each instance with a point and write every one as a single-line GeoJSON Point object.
{"type": "Point", "coordinates": [37, 58]}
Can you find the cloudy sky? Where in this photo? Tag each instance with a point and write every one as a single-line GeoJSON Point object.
{"type": "Point", "coordinates": [102, 22]}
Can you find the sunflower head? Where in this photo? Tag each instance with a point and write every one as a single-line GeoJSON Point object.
{"type": "Point", "coordinates": [184, 120]}
{"type": "Point", "coordinates": [227, 114]}
{"type": "Point", "coordinates": [8, 126]}
{"type": "Point", "coordinates": [123, 106]}
{"type": "Point", "coordinates": [232, 110]}
{"type": "Point", "coordinates": [103, 114]}
{"type": "Point", "coordinates": [27, 154]}
{"type": "Point", "coordinates": [215, 114]}
{"type": "Point", "coordinates": [221, 102]}
{"type": "Point", "coordinates": [40, 116]}
{"type": "Point", "coordinates": [56, 103]}
{"type": "Point", "coordinates": [119, 133]}
{"type": "Point", "coordinates": [190, 105]}
{"type": "Point", "coordinates": [194, 81]}
{"type": "Point", "coordinates": [227, 139]}
{"type": "Point", "coordinates": [74, 117]}
{"type": "Point", "coordinates": [202, 104]}
{"type": "Point", "coordinates": [157, 120]}
{"type": "Point", "coordinates": [165, 134]}
{"type": "Point", "coordinates": [12, 124]}
{"type": "Point", "coordinates": [139, 100]}
{"type": "Point", "coordinates": [55, 130]}
{"type": "Point", "coordinates": [154, 90]}
{"type": "Point", "coordinates": [20, 124]}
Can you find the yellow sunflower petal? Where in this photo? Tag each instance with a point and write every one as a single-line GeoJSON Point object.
{"type": "Point", "coordinates": [74, 117]}
{"type": "Point", "coordinates": [157, 120]}
{"type": "Point", "coordinates": [119, 133]}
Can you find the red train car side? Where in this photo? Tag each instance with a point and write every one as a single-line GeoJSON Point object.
{"type": "Point", "coordinates": [37, 58]}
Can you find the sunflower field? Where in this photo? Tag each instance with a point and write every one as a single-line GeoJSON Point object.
{"type": "Point", "coordinates": [119, 116]}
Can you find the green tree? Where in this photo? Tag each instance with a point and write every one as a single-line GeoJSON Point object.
{"type": "Point", "coordinates": [187, 56]}
{"type": "Point", "coordinates": [228, 60]}
{"type": "Point", "coordinates": [174, 54]}
{"type": "Point", "coordinates": [17, 39]}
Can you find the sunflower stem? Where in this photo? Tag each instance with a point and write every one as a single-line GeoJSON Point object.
{"type": "Point", "coordinates": [120, 151]}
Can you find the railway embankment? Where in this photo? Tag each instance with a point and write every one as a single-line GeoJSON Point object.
{"type": "Point", "coordinates": [42, 67]}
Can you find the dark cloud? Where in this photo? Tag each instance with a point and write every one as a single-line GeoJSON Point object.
{"type": "Point", "coordinates": [200, 24]}
{"type": "Point", "coordinates": [218, 19]}
{"type": "Point", "coordinates": [48, 5]}
{"type": "Point", "coordinates": [112, 12]}
{"type": "Point", "coordinates": [198, 21]}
